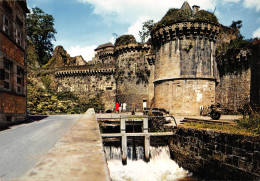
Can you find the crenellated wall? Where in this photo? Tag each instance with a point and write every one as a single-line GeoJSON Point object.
{"type": "Point", "coordinates": [238, 80]}
{"type": "Point", "coordinates": [89, 83]}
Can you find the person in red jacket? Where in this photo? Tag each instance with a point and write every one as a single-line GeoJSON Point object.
{"type": "Point", "coordinates": [117, 107]}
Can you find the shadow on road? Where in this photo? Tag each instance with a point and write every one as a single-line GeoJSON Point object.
{"type": "Point", "coordinates": [31, 118]}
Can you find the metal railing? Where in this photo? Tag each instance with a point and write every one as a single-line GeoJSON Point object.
{"type": "Point", "coordinates": [138, 117]}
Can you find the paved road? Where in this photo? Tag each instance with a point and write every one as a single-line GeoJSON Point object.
{"type": "Point", "coordinates": [21, 147]}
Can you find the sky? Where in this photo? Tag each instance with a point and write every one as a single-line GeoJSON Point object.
{"type": "Point", "coordinates": [83, 25]}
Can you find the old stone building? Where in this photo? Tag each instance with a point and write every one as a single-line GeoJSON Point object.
{"type": "Point", "coordinates": [176, 71]}
{"type": "Point", "coordinates": [12, 60]}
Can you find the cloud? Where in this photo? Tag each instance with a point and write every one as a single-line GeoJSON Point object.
{"type": "Point", "coordinates": [256, 33]}
{"type": "Point", "coordinates": [129, 11]}
{"type": "Point", "coordinates": [136, 27]}
{"type": "Point", "coordinates": [252, 4]}
{"type": "Point", "coordinates": [87, 52]}
{"type": "Point", "coordinates": [233, 1]}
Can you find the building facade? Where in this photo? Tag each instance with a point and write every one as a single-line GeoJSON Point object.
{"type": "Point", "coordinates": [12, 60]}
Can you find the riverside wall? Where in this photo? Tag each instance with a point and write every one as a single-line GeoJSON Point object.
{"type": "Point", "coordinates": [215, 155]}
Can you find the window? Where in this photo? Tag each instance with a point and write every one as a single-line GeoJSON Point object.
{"type": "Point", "coordinates": [108, 88]}
{"type": "Point", "coordinates": [19, 80]}
{"type": "Point", "coordinates": [6, 20]}
{"type": "Point", "coordinates": [7, 70]}
{"type": "Point", "coordinates": [6, 24]}
{"type": "Point", "coordinates": [18, 32]}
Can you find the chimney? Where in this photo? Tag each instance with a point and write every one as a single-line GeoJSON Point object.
{"type": "Point", "coordinates": [195, 9]}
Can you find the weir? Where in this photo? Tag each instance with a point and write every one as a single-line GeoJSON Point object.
{"type": "Point", "coordinates": [145, 133]}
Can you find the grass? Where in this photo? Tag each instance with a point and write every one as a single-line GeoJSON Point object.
{"type": "Point", "coordinates": [247, 126]}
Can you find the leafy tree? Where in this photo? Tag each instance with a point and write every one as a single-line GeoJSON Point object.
{"type": "Point", "coordinates": [40, 31]}
{"type": "Point", "coordinates": [32, 56]}
{"type": "Point", "coordinates": [236, 24]}
{"type": "Point", "coordinates": [146, 30]}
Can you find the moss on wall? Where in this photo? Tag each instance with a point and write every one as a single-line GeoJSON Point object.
{"type": "Point", "coordinates": [125, 40]}
{"type": "Point", "coordinates": [178, 15]}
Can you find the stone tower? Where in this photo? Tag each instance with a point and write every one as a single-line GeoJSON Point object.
{"type": "Point", "coordinates": [185, 66]}
{"type": "Point", "coordinates": [133, 73]}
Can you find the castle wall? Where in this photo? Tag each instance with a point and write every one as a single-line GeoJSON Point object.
{"type": "Point", "coordinates": [89, 85]}
{"type": "Point", "coordinates": [239, 79]}
{"type": "Point", "coordinates": [184, 96]}
{"type": "Point", "coordinates": [255, 76]}
{"type": "Point", "coordinates": [233, 91]}
{"type": "Point", "coordinates": [186, 58]}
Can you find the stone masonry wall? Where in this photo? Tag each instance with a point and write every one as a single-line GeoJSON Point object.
{"type": "Point", "coordinates": [184, 97]}
{"type": "Point", "coordinates": [134, 75]}
{"type": "Point", "coordinates": [186, 59]}
{"type": "Point", "coordinates": [233, 91]}
{"type": "Point", "coordinates": [90, 86]}
{"type": "Point", "coordinates": [216, 155]}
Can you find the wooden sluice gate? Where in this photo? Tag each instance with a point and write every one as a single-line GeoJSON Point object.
{"type": "Point", "coordinates": [123, 134]}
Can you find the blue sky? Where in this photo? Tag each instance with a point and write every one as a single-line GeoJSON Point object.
{"type": "Point", "coordinates": [82, 25]}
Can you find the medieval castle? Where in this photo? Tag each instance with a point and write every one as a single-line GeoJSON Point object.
{"type": "Point", "coordinates": [177, 70]}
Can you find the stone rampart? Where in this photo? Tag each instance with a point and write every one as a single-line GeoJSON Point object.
{"type": "Point", "coordinates": [235, 85]}
{"type": "Point", "coordinates": [215, 155]}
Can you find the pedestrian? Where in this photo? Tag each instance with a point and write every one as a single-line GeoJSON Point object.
{"type": "Point", "coordinates": [120, 107]}
{"type": "Point", "coordinates": [116, 107]}
{"type": "Point", "coordinates": [124, 107]}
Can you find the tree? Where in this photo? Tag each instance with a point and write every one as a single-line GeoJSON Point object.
{"type": "Point", "coordinates": [146, 30]}
{"type": "Point", "coordinates": [40, 31]}
{"type": "Point", "coordinates": [236, 24]}
{"type": "Point", "coordinates": [32, 56]}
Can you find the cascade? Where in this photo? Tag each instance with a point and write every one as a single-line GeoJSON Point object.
{"type": "Point", "coordinates": [160, 167]}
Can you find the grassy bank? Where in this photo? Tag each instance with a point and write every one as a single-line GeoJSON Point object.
{"type": "Point", "coordinates": [246, 126]}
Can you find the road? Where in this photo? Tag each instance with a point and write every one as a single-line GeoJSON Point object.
{"type": "Point", "coordinates": [22, 146]}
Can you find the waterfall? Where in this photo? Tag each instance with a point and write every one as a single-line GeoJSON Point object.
{"type": "Point", "coordinates": [160, 167]}
{"type": "Point", "coordinates": [133, 153]}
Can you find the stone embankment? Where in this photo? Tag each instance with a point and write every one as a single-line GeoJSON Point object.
{"type": "Point", "coordinates": [216, 155]}
{"type": "Point", "coordinates": [78, 155]}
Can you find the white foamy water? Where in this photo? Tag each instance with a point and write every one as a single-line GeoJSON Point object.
{"type": "Point", "coordinates": [160, 167]}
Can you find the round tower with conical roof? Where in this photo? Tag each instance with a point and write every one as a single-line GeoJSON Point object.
{"type": "Point", "coordinates": [185, 67]}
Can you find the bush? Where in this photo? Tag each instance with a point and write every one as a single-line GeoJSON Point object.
{"type": "Point", "coordinates": [125, 40]}
{"type": "Point", "coordinates": [46, 80]}
{"type": "Point", "coordinates": [178, 15]}
{"type": "Point", "coordinates": [95, 103]}
{"type": "Point", "coordinates": [67, 95]}
{"type": "Point", "coordinates": [251, 123]}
